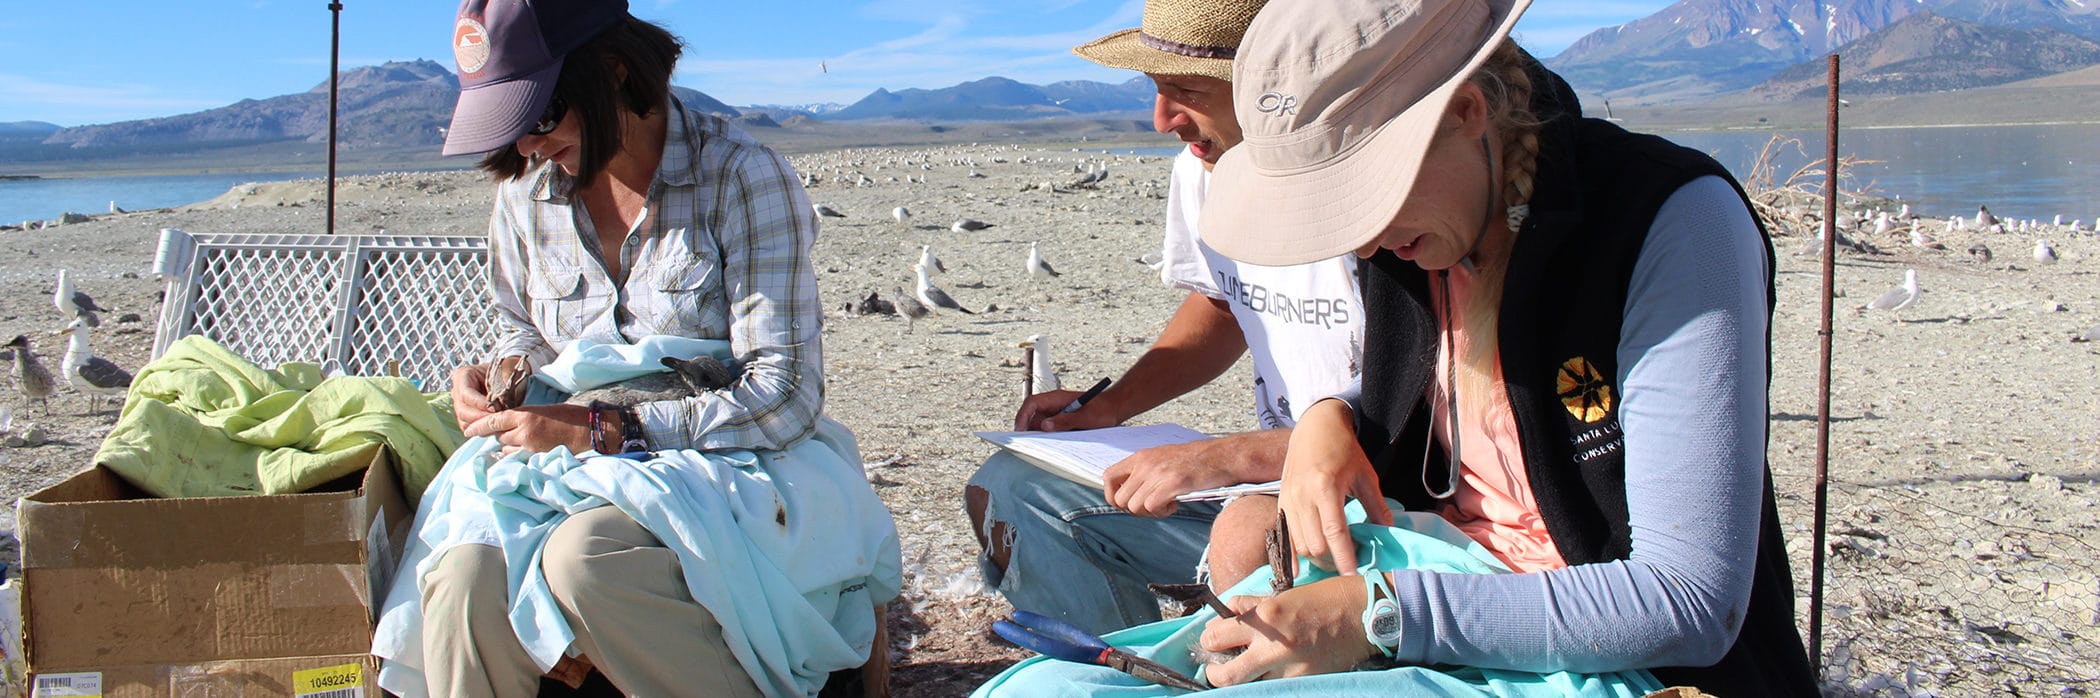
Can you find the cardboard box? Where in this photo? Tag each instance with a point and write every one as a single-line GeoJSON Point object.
{"type": "Point", "coordinates": [148, 590]}
{"type": "Point", "coordinates": [341, 676]}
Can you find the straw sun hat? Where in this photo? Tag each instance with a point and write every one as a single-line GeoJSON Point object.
{"type": "Point", "coordinates": [1338, 100]}
{"type": "Point", "coordinates": [1178, 37]}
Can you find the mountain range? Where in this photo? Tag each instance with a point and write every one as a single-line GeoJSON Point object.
{"type": "Point", "coordinates": [1001, 99]}
{"type": "Point", "coordinates": [1690, 50]}
{"type": "Point", "coordinates": [1700, 48]}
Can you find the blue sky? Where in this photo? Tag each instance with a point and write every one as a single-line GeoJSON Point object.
{"type": "Point", "coordinates": [72, 63]}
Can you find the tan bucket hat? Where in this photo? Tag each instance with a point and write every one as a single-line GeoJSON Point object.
{"type": "Point", "coordinates": [1339, 100]}
{"type": "Point", "coordinates": [1178, 37]}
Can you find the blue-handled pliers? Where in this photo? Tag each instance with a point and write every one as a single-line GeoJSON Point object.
{"type": "Point", "coordinates": [1060, 640]}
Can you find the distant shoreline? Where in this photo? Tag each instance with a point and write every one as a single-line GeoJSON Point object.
{"type": "Point", "coordinates": [19, 178]}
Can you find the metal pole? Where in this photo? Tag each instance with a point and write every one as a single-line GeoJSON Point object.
{"type": "Point", "coordinates": [335, 51]}
{"type": "Point", "coordinates": [1830, 204]}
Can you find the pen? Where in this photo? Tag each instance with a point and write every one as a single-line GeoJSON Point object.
{"type": "Point", "coordinates": [1087, 396]}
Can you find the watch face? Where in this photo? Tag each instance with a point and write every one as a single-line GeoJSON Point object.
{"type": "Point", "coordinates": [1385, 622]}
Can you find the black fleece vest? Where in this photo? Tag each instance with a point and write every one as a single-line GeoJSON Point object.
{"type": "Point", "coordinates": [1598, 189]}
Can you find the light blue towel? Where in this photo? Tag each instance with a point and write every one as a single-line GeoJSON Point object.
{"type": "Point", "coordinates": [794, 597]}
{"type": "Point", "coordinates": [1418, 541]}
{"type": "Point", "coordinates": [586, 364]}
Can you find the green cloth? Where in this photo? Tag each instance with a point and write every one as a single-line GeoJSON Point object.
{"type": "Point", "coordinates": [203, 422]}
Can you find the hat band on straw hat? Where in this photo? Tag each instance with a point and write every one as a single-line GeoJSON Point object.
{"type": "Point", "coordinates": [1190, 50]}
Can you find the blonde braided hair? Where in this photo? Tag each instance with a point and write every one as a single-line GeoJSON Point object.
{"type": "Point", "coordinates": [1505, 81]}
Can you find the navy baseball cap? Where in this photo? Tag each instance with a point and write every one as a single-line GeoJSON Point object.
{"type": "Point", "coordinates": [509, 54]}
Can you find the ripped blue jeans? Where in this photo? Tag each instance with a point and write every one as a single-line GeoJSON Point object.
{"type": "Point", "coordinates": [1073, 556]}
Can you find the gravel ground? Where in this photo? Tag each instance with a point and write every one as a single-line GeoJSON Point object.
{"type": "Point", "coordinates": [1963, 455]}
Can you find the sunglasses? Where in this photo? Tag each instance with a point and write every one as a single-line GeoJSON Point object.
{"type": "Point", "coordinates": [550, 119]}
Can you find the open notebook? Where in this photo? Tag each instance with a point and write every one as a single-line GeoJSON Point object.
{"type": "Point", "coordinates": [1083, 456]}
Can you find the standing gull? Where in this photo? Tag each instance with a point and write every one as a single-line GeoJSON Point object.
{"type": "Point", "coordinates": [1899, 297]}
{"type": "Point", "coordinates": [1984, 219]}
{"type": "Point", "coordinates": [2043, 253]}
{"type": "Point", "coordinates": [1041, 375]}
{"type": "Point", "coordinates": [1036, 266]}
{"type": "Point", "coordinates": [911, 309]}
{"type": "Point", "coordinates": [902, 214]}
{"type": "Point", "coordinates": [31, 378]}
{"type": "Point", "coordinates": [75, 304]}
{"type": "Point", "coordinates": [926, 259]}
{"type": "Point", "coordinates": [934, 297]}
{"type": "Point", "coordinates": [91, 373]}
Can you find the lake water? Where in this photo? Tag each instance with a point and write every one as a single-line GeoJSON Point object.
{"type": "Point", "coordinates": [46, 199]}
{"type": "Point", "coordinates": [2019, 171]}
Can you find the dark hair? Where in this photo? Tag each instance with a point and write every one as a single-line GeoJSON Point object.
{"type": "Point", "coordinates": [646, 52]}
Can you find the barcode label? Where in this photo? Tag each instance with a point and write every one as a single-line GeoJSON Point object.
{"type": "Point", "coordinates": [339, 693]}
{"type": "Point", "coordinates": [87, 684]}
{"type": "Point", "coordinates": [339, 681]}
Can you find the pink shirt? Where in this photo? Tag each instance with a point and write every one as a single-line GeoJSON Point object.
{"type": "Point", "coordinates": [1494, 503]}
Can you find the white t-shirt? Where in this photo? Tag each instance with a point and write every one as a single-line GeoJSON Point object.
{"type": "Point", "coordinates": [1310, 314]}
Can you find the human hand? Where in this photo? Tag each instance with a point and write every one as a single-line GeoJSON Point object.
{"type": "Point", "coordinates": [1147, 482]}
{"type": "Point", "coordinates": [537, 428]}
{"type": "Point", "coordinates": [1322, 470]}
{"type": "Point", "coordinates": [1045, 411]}
{"type": "Point", "coordinates": [1316, 628]}
{"type": "Point", "coordinates": [469, 394]}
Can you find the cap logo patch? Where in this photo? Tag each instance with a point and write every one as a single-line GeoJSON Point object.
{"type": "Point", "coordinates": [470, 45]}
{"type": "Point", "coordinates": [1276, 104]}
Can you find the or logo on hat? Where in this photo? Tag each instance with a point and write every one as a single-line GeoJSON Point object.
{"type": "Point", "coordinates": [470, 45]}
{"type": "Point", "coordinates": [1583, 391]}
{"type": "Point", "coordinates": [1276, 104]}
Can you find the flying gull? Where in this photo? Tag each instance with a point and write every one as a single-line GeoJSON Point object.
{"type": "Point", "coordinates": [934, 297]}
{"type": "Point", "coordinates": [31, 378]}
{"type": "Point", "coordinates": [1899, 297]}
{"type": "Point", "coordinates": [88, 372]}
{"type": "Point", "coordinates": [75, 304]}
{"type": "Point", "coordinates": [1036, 266]}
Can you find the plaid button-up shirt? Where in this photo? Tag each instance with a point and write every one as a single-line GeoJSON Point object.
{"type": "Point", "coordinates": [721, 251]}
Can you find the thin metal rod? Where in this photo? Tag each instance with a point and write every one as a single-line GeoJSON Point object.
{"type": "Point", "coordinates": [335, 52]}
{"type": "Point", "coordinates": [1830, 205]}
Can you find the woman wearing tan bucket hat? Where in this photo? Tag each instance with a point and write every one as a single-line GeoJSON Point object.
{"type": "Point", "coordinates": [1084, 554]}
{"type": "Point", "coordinates": [1567, 361]}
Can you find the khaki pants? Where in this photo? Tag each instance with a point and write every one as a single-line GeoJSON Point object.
{"type": "Point", "coordinates": [622, 594]}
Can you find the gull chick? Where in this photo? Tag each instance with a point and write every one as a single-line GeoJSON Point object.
{"type": "Point", "coordinates": [911, 309]}
{"type": "Point", "coordinates": [90, 373]}
{"type": "Point", "coordinates": [31, 378]}
{"type": "Point", "coordinates": [1036, 266]}
{"type": "Point", "coordinates": [1042, 377]}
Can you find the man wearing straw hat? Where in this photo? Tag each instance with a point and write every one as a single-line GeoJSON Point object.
{"type": "Point", "coordinates": [1067, 550]}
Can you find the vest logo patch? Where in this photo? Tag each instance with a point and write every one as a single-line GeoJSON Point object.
{"type": "Point", "coordinates": [1583, 390]}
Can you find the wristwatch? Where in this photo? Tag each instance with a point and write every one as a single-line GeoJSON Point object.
{"type": "Point", "coordinates": [1381, 613]}
{"type": "Point", "coordinates": [632, 439]}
